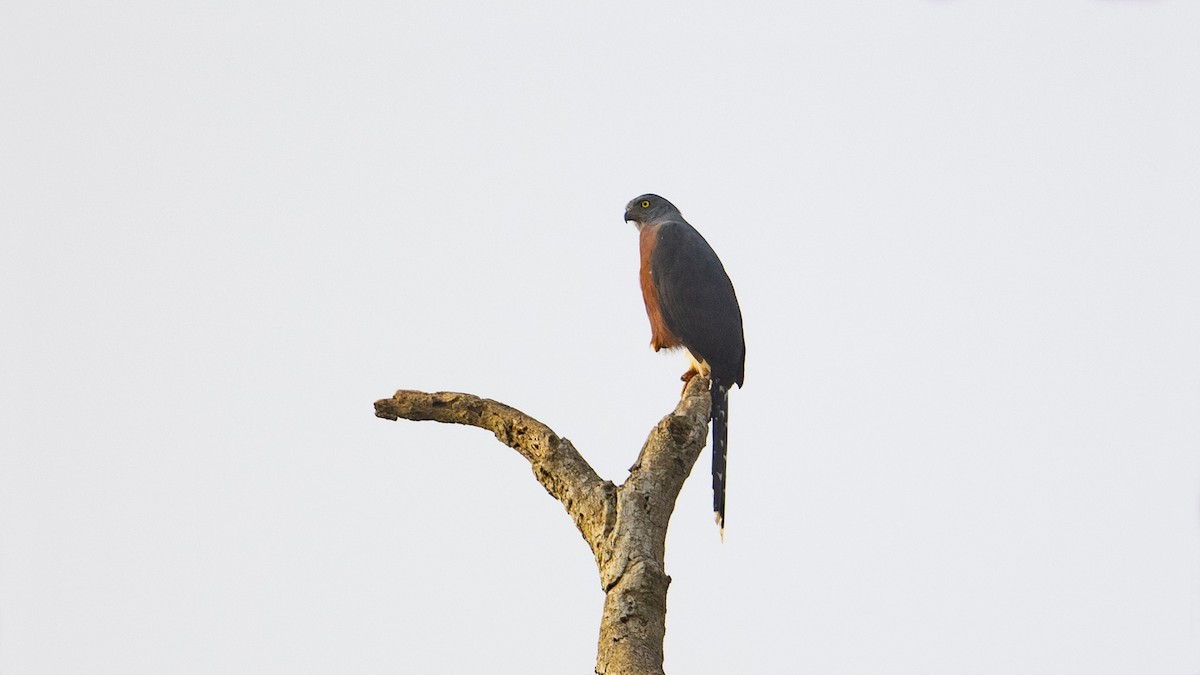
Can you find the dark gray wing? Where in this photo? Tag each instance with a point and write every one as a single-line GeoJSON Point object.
{"type": "Point", "coordinates": [697, 300]}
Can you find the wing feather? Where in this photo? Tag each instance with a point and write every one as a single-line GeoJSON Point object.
{"type": "Point", "coordinates": [697, 300]}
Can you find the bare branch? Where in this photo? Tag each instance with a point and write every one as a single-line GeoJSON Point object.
{"type": "Point", "coordinates": [556, 463]}
{"type": "Point", "coordinates": [634, 574]}
{"type": "Point", "coordinates": [626, 527]}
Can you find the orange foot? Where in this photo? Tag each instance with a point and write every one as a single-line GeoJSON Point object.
{"type": "Point", "coordinates": [687, 377]}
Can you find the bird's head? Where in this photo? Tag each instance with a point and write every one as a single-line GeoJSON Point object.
{"type": "Point", "coordinates": [650, 208]}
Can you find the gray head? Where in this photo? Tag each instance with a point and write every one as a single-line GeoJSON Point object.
{"type": "Point", "coordinates": [650, 208]}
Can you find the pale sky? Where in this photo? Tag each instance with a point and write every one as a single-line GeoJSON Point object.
{"type": "Point", "coordinates": [965, 238]}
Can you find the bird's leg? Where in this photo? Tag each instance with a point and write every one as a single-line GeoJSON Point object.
{"type": "Point", "coordinates": [687, 377]}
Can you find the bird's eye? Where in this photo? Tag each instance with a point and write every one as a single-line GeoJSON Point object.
{"type": "Point", "coordinates": [645, 203]}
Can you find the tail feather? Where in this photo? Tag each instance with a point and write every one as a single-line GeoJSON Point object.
{"type": "Point", "coordinates": [720, 436]}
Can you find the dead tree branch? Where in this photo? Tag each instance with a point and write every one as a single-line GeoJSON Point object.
{"type": "Point", "coordinates": [626, 526]}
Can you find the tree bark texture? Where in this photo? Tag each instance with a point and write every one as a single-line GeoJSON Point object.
{"type": "Point", "coordinates": [625, 526]}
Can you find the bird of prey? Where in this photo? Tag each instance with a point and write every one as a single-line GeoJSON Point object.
{"type": "Point", "coordinates": [691, 304]}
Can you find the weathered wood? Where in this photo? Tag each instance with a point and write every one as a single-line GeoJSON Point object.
{"type": "Point", "coordinates": [625, 526]}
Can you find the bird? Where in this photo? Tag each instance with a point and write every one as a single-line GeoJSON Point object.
{"type": "Point", "coordinates": [691, 304]}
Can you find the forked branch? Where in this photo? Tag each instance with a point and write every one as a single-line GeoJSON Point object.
{"type": "Point", "coordinates": [626, 526]}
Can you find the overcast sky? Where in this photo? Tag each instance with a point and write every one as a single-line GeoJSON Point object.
{"type": "Point", "coordinates": [965, 237]}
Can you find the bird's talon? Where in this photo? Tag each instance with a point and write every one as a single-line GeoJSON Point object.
{"type": "Point", "coordinates": [687, 377]}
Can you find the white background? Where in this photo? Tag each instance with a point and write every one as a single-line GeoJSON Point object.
{"type": "Point", "coordinates": [965, 237]}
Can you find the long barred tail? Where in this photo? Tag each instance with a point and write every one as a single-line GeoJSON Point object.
{"type": "Point", "coordinates": [720, 436]}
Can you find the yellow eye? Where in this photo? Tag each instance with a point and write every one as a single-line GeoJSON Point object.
{"type": "Point", "coordinates": [645, 203]}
